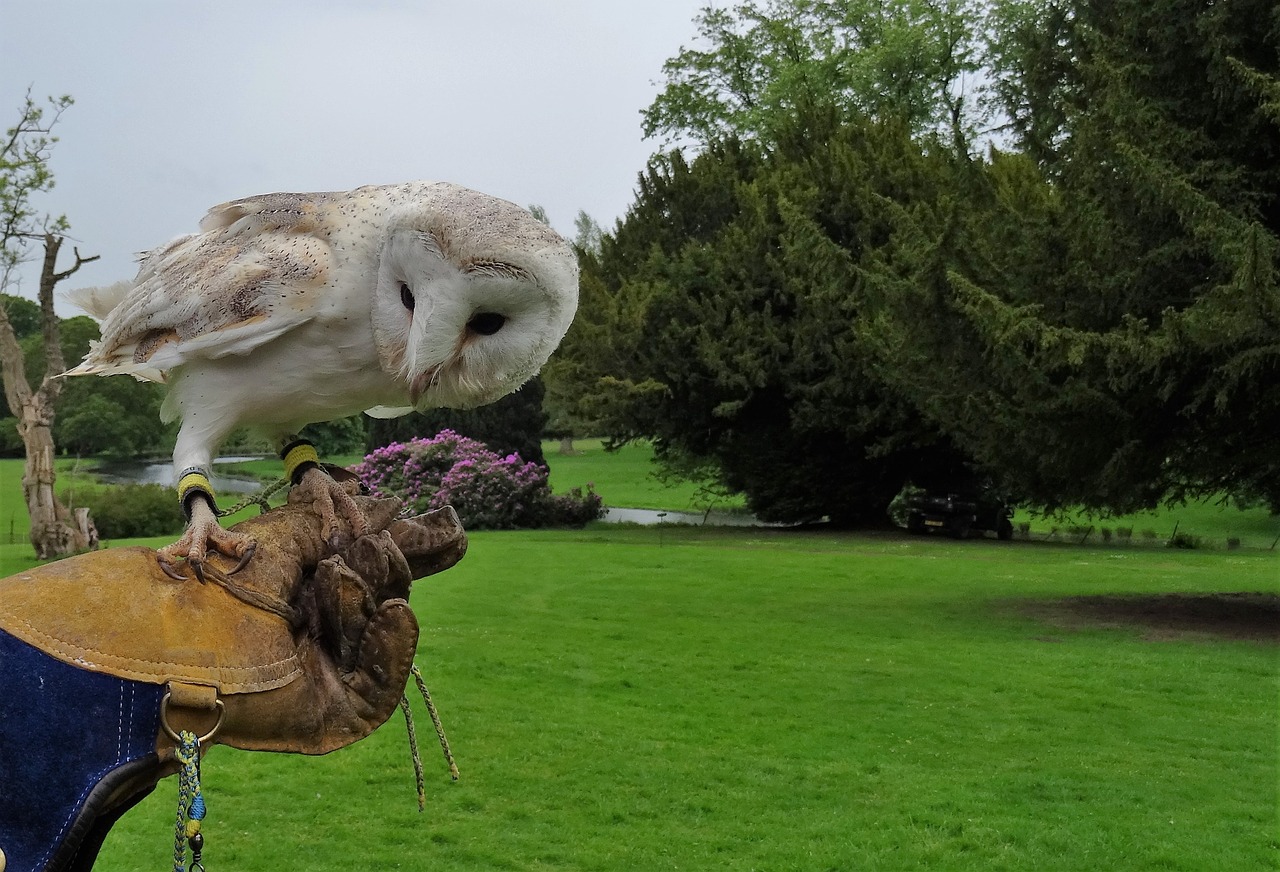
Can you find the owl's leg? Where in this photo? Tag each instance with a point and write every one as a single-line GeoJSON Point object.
{"type": "Point", "coordinates": [328, 498]}
{"type": "Point", "coordinates": [192, 458]}
{"type": "Point", "coordinates": [204, 532]}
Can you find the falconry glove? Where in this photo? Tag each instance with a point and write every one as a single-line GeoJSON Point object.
{"type": "Point", "coordinates": [105, 660]}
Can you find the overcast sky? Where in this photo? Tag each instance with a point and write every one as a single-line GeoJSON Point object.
{"type": "Point", "coordinates": [183, 105]}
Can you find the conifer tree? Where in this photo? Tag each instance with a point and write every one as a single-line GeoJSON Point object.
{"type": "Point", "coordinates": [1120, 285]}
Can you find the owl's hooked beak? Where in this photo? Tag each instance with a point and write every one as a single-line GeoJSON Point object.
{"type": "Point", "coordinates": [422, 383]}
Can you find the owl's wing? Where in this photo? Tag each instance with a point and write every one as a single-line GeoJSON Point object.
{"type": "Point", "coordinates": [258, 269]}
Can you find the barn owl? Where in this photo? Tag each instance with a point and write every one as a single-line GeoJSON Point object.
{"type": "Point", "coordinates": [288, 309]}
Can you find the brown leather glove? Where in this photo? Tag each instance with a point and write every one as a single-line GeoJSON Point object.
{"type": "Point", "coordinates": [302, 651]}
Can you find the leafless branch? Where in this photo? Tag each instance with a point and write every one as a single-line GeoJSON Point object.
{"type": "Point", "coordinates": [80, 261]}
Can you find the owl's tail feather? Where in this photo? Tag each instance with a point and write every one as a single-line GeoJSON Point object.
{"type": "Point", "coordinates": [98, 302]}
{"type": "Point", "coordinates": [93, 365]}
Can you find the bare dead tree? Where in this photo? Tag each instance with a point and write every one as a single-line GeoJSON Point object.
{"type": "Point", "coordinates": [55, 529]}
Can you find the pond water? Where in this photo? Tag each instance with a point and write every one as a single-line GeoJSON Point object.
{"type": "Point", "coordinates": [697, 519]}
{"type": "Point", "coordinates": [137, 472]}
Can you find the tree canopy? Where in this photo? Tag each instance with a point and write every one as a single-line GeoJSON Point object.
{"type": "Point", "coordinates": [758, 68]}
{"type": "Point", "coordinates": [1134, 280]}
{"type": "Point", "coordinates": [830, 300]}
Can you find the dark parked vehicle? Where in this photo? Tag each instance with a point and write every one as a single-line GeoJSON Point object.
{"type": "Point", "coordinates": [959, 516]}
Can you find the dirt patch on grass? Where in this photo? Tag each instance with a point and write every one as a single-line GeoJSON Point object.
{"type": "Point", "coordinates": [1251, 616]}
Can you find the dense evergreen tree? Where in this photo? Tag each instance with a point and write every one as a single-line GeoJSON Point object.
{"type": "Point", "coordinates": [820, 315]}
{"type": "Point", "coordinates": [733, 286]}
{"type": "Point", "coordinates": [568, 417]}
{"type": "Point", "coordinates": [1124, 303]}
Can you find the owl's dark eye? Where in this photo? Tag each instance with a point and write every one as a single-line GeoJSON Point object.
{"type": "Point", "coordinates": [406, 296]}
{"type": "Point", "coordinates": [486, 323]}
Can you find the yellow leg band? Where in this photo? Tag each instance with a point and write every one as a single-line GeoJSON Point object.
{"type": "Point", "coordinates": [192, 481]}
{"type": "Point", "coordinates": [296, 455]}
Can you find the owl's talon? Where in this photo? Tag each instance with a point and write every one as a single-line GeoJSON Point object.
{"type": "Point", "coordinates": [204, 535]}
{"type": "Point", "coordinates": [168, 570]}
{"type": "Point", "coordinates": [331, 501]}
{"type": "Point", "coordinates": [245, 558]}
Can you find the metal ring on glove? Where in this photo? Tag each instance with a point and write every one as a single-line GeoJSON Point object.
{"type": "Point", "coordinates": [169, 731]}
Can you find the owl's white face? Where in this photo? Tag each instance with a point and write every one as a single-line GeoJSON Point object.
{"type": "Point", "coordinates": [462, 321]}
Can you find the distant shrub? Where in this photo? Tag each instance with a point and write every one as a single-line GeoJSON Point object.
{"type": "Point", "coordinates": [486, 490]}
{"type": "Point", "coordinates": [900, 506]}
{"type": "Point", "coordinates": [1233, 543]}
{"type": "Point", "coordinates": [576, 508]}
{"type": "Point", "coordinates": [1185, 540]}
{"type": "Point", "coordinates": [130, 510]}
{"type": "Point", "coordinates": [343, 436]}
{"type": "Point", "coordinates": [1105, 533]}
{"type": "Point", "coordinates": [1149, 535]}
{"type": "Point", "coordinates": [1024, 529]}
{"type": "Point", "coordinates": [1124, 534]}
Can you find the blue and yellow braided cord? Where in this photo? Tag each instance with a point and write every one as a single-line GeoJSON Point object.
{"type": "Point", "coordinates": [191, 809]}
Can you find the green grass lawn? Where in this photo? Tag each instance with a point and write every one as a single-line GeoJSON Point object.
{"type": "Point", "coordinates": [696, 698]}
{"type": "Point", "coordinates": [632, 698]}
{"type": "Point", "coordinates": [625, 478]}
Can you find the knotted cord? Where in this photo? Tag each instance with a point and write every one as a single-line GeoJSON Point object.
{"type": "Point", "coordinates": [259, 499]}
{"type": "Point", "coordinates": [419, 781]}
{"type": "Point", "coordinates": [191, 808]}
{"type": "Point", "coordinates": [435, 719]}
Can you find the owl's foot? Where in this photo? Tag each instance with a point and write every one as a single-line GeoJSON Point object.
{"type": "Point", "coordinates": [204, 532]}
{"type": "Point", "coordinates": [330, 500]}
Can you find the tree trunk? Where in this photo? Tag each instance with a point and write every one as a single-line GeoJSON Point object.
{"type": "Point", "coordinates": [55, 531]}
{"type": "Point", "coordinates": [566, 445]}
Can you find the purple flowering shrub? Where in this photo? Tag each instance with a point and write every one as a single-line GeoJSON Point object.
{"type": "Point", "coordinates": [487, 491]}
